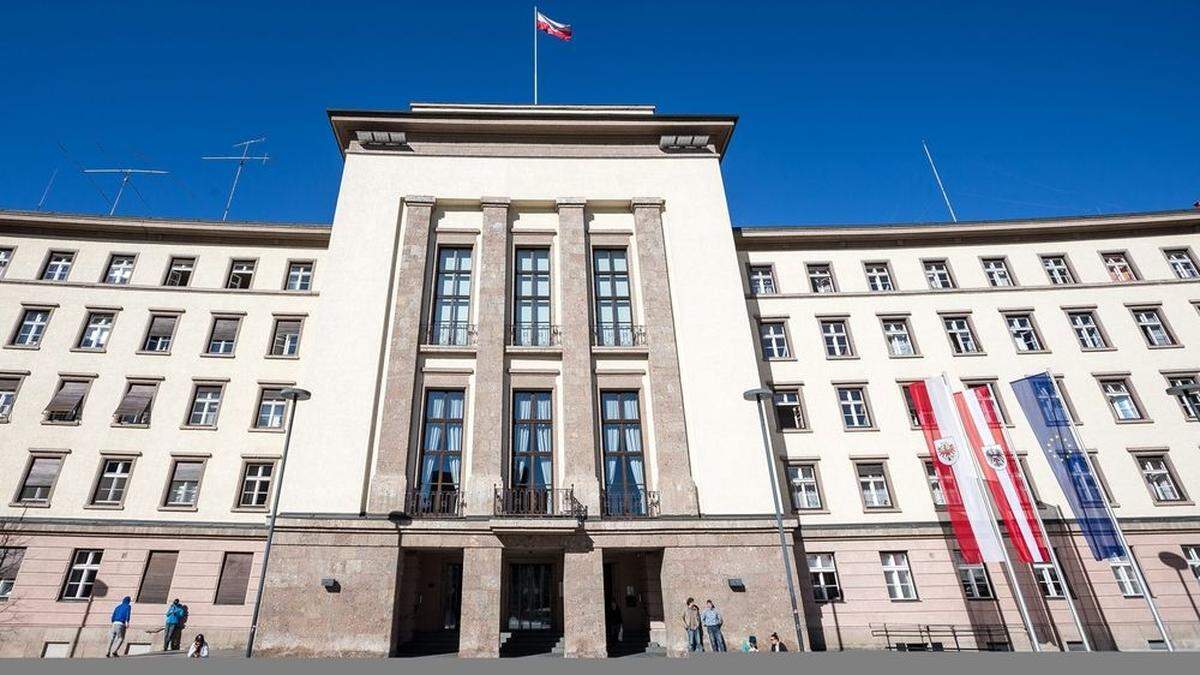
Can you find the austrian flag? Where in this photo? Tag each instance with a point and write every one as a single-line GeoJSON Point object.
{"type": "Point", "coordinates": [562, 31]}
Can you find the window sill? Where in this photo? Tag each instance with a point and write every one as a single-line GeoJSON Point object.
{"type": "Point", "coordinates": [905, 600]}
{"type": "Point", "coordinates": [88, 350]}
{"type": "Point", "coordinates": [104, 507]}
{"type": "Point", "coordinates": [24, 347]}
{"type": "Point", "coordinates": [1097, 349]}
{"type": "Point", "coordinates": [144, 352]}
{"type": "Point", "coordinates": [118, 425]}
{"type": "Point", "coordinates": [1144, 420]}
{"type": "Point", "coordinates": [29, 505]}
{"type": "Point", "coordinates": [533, 349]}
{"type": "Point", "coordinates": [72, 423]}
{"type": "Point", "coordinates": [851, 357]}
{"type": "Point", "coordinates": [773, 359]}
{"type": "Point", "coordinates": [904, 356]}
{"type": "Point", "coordinates": [634, 349]}
{"type": "Point", "coordinates": [1182, 502]}
{"type": "Point", "coordinates": [968, 354]}
{"type": "Point", "coordinates": [249, 509]}
{"type": "Point", "coordinates": [446, 349]}
{"type": "Point", "coordinates": [795, 431]}
{"type": "Point", "coordinates": [1033, 351]}
{"type": "Point", "coordinates": [858, 429]}
{"type": "Point", "coordinates": [189, 427]}
{"type": "Point", "coordinates": [265, 430]}
{"type": "Point", "coordinates": [881, 509]}
{"type": "Point", "coordinates": [185, 509]}
{"type": "Point", "coordinates": [810, 512]}
{"type": "Point", "coordinates": [207, 355]}
{"type": "Point", "coordinates": [283, 357]}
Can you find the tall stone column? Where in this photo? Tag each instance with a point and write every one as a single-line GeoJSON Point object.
{"type": "Point", "coordinates": [583, 597]}
{"type": "Point", "coordinates": [479, 621]}
{"type": "Point", "coordinates": [491, 288]}
{"type": "Point", "coordinates": [676, 488]}
{"type": "Point", "coordinates": [391, 465]}
{"type": "Point", "coordinates": [578, 391]}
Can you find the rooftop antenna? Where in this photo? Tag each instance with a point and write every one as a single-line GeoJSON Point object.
{"type": "Point", "coordinates": [241, 162]}
{"type": "Point", "coordinates": [46, 192]}
{"type": "Point", "coordinates": [938, 178]}
{"type": "Point", "coordinates": [125, 176]}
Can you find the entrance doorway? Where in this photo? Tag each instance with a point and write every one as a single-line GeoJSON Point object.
{"type": "Point", "coordinates": [451, 595]}
{"type": "Point", "coordinates": [429, 602]}
{"type": "Point", "coordinates": [530, 597]}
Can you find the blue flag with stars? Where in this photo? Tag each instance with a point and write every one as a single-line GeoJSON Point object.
{"type": "Point", "coordinates": [1048, 417]}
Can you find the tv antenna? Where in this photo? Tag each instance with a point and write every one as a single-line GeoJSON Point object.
{"type": "Point", "coordinates": [126, 174]}
{"type": "Point", "coordinates": [241, 162]}
{"type": "Point", "coordinates": [938, 178]}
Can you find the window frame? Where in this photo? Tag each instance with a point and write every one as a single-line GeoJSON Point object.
{"type": "Point", "coordinates": [176, 316]}
{"type": "Point", "coordinates": [932, 478]}
{"type": "Point", "coordinates": [63, 380]}
{"type": "Point", "coordinates": [821, 506]}
{"type": "Point", "coordinates": [1129, 585]}
{"type": "Point", "coordinates": [212, 327]}
{"type": "Point", "coordinates": [1168, 469]}
{"type": "Point", "coordinates": [1171, 377]}
{"type": "Point", "coordinates": [263, 388]}
{"type": "Point", "coordinates": [1072, 276]}
{"type": "Point", "coordinates": [108, 268]}
{"type": "Point", "coordinates": [808, 275]}
{"type": "Point", "coordinates": [171, 262]}
{"type": "Point", "coordinates": [950, 277]}
{"type": "Point", "coordinates": [1008, 272]}
{"type": "Point", "coordinates": [906, 320]}
{"type": "Point", "coordinates": [84, 579]}
{"type": "Point", "coordinates": [276, 319]}
{"type": "Point", "coordinates": [1126, 259]}
{"type": "Point", "coordinates": [1094, 313]}
{"type": "Point", "coordinates": [197, 385]}
{"type": "Point", "coordinates": [844, 320]}
{"type": "Point", "coordinates": [995, 392]}
{"type": "Point", "coordinates": [21, 315]}
{"type": "Point", "coordinates": [798, 390]}
{"type": "Point", "coordinates": [787, 338]}
{"type": "Point", "coordinates": [101, 473]}
{"type": "Point", "coordinates": [1028, 315]}
{"type": "Point", "coordinates": [31, 459]}
{"type": "Point", "coordinates": [971, 331]}
{"type": "Point", "coordinates": [243, 477]}
{"type": "Point", "coordinates": [971, 586]}
{"type": "Point", "coordinates": [19, 378]}
{"type": "Point", "coordinates": [1143, 417]}
{"type": "Point", "coordinates": [906, 569]}
{"type": "Point", "coordinates": [7, 254]}
{"type": "Point", "coordinates": [230, 271]}
{"type": "Point", "coordinates": [752, 268]}
{"type": "Point", "coordinates": [287, 274]}
{"type": "Point", "coordinates": [889, 490]}
{"type": "Point", "coordinates": [73, 256]}
{"type": "Point", "coordinates": [823, 570]}
{"type": "Point", "coordinates": [148, 413]}
{"type": "Point", "coordinates": [887, 271]}
{"type": "Point", "coordinates": [163, 503]}
{"type": "Point", "coordinates": [868, 410]}
{"type": "Point", "coordinates": [89, 312]}
{"type": "Point", "coordinates": [1191, 257]}
{"type": "Point", "coordinates": [1172, 337]}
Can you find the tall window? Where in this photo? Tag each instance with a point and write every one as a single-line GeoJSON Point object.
{"type": "Point", "coordinates": [1087, 329]}
{"type": "Point", "coordinates": [910, 406]}
{"type": "Point", "coordinates": [58, 266]}
{"type": "Point", "coordinates": [897, 576]}
{"type": "Point", "coordinates": [39, 480]}
{"type": "Point", "coordinates": [973, 578]}
{"type": "Point", "coordinates": [160, 333]}
{"type": "Point", "coordinates": [879, 276]}
{"type": "Point", "coordinates": [1023, 332]}
{"type": "Point", "coordinates": [206, 404]}
{"type": "Point", "coordinates": [962, 338]}
{"type": "Point", "coordinates": [820, 278]}
{"type": "Point", "coordinates": [241, 274]}
{"type": "Point", "coordinates": [1189, 401]}
{"type": "Point", "coordinates": [1048, 580]}
{"type": "Point", "coordinates": [533, 443]}
{"type": "Point", "coordinates": [996, 271]}
{"type": "Point", "coordinates": [114, 477]}
{"type": "Point", "coordinates": [120, 270]}
{"type": "Point", "coordinates": [1180, 259]}
{"type": "Point", "coordinates": [898, 337]}
{"type": "Point", "coordinates": [806, 493]}
{"type": "Point", "coordinates": [789, 409]}
{"type": "Point", "coordinates": [614, 304]}
{"type": "Point", "coordinates": [937, 273]}
{"type": "Point", "coordinates": [441, 444]}
{"type": "Point", "coordinates": [452, 298]}
{"type": "Point", "coordinates": [285, 338]}
{"type": "Point", "coordinates": [1126, 578]}
{"type": "Point", "coordinates": [935, 484]}
{"type": "Point", "coordinates": [256, 484]}
{"type": "Point", "coordinates": [223, 338]}
{"type": "Point", "coordinates": [772, 336]}
{"type": "Point", "coordinates": [1156, 470]}
{"type": "Point", "coordinates": [32, 328]}
{"type": "Point", "coordinates": [272, 407]}
{"type": "Point", "coordinates": [85, 564]}
{"type": "Point", "coordinates": [624, 463]}
{"type": "Point", "coordinates": [1057, 270]}
{"type": "Point", "coordinates": [532, 301]}
{"type": "Point", "coordinates": [184, 487]}
{"type": "Point", "coordinates": [762, 280]}
{"type": "Point", "coordinates": [1154, 329]}
{"type": "Point", "coordinates": [5, 260]}
{"type": "Point", "coordinates": [1119, 394]}
{"type": "Point", "coordinates": [822, 570]}
{"type": "Point", "coordinates": [96, 331]}
{"type": "Point", "coordinates": [853, 404]}
{"type": "Point", "coordinates": [179, 272]}
{"type": "Point", "coordinates": [1118, 266]}
{"type": "Point", "coordinates": [872, 483]}
{"type": "Point", "coordinates": [8, 396]}
{"type": "Point", "coordinates": [836, 335]}
{"type": "Point", "coordinates": [299, 277]}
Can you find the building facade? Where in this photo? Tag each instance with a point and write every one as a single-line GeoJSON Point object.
{"type": "Point", "coordinates": [527, 335]}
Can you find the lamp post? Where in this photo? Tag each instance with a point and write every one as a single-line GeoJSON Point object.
{"type": "Point", "coordinates": [294, 395]}
{"type": "Point", "coordinates": [760, 396]}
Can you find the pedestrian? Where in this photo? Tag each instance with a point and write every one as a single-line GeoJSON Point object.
{"type": "Point", "coordinates": [777, 644]}
{"type": "Point", "coordinates": [199, 648]}
{"type": "Point", "coordinates": [120, 622]}
{"type": "Point", "coordinates": [171, 632]}
{"type": "Point", "coordinates": [712, 621]}
{"type": "Point", "coordinates": [612, 621]}
{"type": "Point", "coordinates": [183, 619]}
{"type": "Point", "coordinates": [691, 623]}
{"type": "Point", "coordinates": [750, 646]}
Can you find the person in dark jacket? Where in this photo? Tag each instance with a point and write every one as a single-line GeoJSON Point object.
{"type": "Point", "coordinates": [120, 623]}
{"type": "Point", "coordinates": [777, 644]}
{"type": "Point", "coordinates": [171, 631]}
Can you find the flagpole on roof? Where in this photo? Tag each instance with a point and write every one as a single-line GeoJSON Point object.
{"type": "Point", "coordinates": [535, 32]}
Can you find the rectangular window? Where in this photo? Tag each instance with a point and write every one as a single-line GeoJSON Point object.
{"type": "Point", "coordinates": [937, 273]}
{"type": "Point", "coordinates": [991, 393]}
{"type": "Point", "coordinates": [531, 301]}
{"type": "Point", "coordinates": [962, 337]}
{"type": "Point", "coordinates": [1153, 327]}
{"type": "Point", "coordinates": [58, 266]}
{"type": "Point", "coordinates": [156, 580]}
{"type": "Point", "coordinates": [299, 276]}
{"type": "Point", "coordinates": [241, 274]}
{"type": "Point", "coordinates": [32, 328]}
{"type": "Point", "coordinates": [802, 481]}
{"type": "Point", "coordinates": [1118, 266]}
{"type": "Point", "coordinates": [120, 270]}
{"type": "Point", "coordinates": [820, 278]}
{"type": "Point", "coordinates": [1126, 578]}
{"type": "Point", "coordinates": [206, 404]}
{"type": "Point", "coordinates": [533, 443]}
{"type": "Point", "coordinates": [1160, 478]}
{"type": "Point", "coordinates": [66, 406]}
{"type": "Point", "coordinates": [789, 409]}
{"type": "Point", "coordinates": [285, 338]}
{"type": "Point", "coordinates": [1191, 553]}
{"type": "Point", "coordinates": [114, 478]}
{"type": "Point", "coordinates": [160, 333]}
{"type": "Point", "coordinates": [1048, 581]}
{"type": "Point", "coordinates": [223, 338]}
{"type": "Point", "coordinates": [8, 396]}
{"type": "Point", "coordinates": [272, 407]}
{"type": "Point", "coordinates": [5, 260]}
{"type": "Point", "coordinates": [613, 297]}
{"type": "Point", "coordinates": [1058, 271]}
{"type": "Point", "coordinates": [1180, 259]}
{"type": "Point", "coordinates": [935, 484]}
{"type": "Point", "coordinates": [441, 444]}
{"type": "Point", "coordinates": [134, 408]}
{"type": "Point", "coordinates": [256, 484]}
{"type": "Point", "coordinates": [179, 272]}
{"type": "Point", "coordinates": [822, 570]}
{"type": "Point", "coordinates": [39, 480]}
{"type": "Point", "coordinates": [1189, 400]}
{"type": "Point", "coordinates": [897, 576]}
{"type": "Point", "coordinates": [621, 441]}
{"type": "Point", "coordinates": [973, 578]}
{"type": "Point", "coordinates": [853, 404]}
{"type": "Point", "coordinates": [10, 565]}
{"type": "Point", "coordinates": [1087, 329]}
{"type": "Point", "coordinates": [873, 484]}
{"type": "Point", "coordinates": [452, 298]}
{"type": "Point", "coordinates": [184, 487]}
{"type": "Point", "coordinates": [85, 564]}
{"type": "Point", "coordinates": [897, 334]}
{"type": "Point", "coordinates": [1119, 393]}
{"type": "Point", "coordinates": [996, 271]}
{"type": "Point", "coordinates": [235, 577]}
{"type": "Point", "coordinates": [772, 336]}
{"type": "Point", "coordinates": [1024, 333]}
{"type": "Point", "coordinates": [836, 336]}
{"type": "Point", "coordinates": [879, 276]}
{"type": "Point", "coordinates": [762, 280]}
{"type": "Point", "coordinates": [96, 331]}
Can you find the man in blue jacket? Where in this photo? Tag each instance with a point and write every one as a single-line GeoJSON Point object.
{"type": "Point", "coordinates": [174, 618]}
{"type": "Point", "coordinates": [120, 622]}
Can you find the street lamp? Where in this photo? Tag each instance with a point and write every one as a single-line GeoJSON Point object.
{"type": "Point", "coordinates": [295, 395]}
{"type": "Point", "coordinates": [760, 396]}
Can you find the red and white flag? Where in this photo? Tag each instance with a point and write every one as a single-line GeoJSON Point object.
{"type": "Point", "coordinates": [966, 502]}
{"type": "Point", "coordinates": [562, 31]}
{"type": "Point", "coordinates": [1003, 474]}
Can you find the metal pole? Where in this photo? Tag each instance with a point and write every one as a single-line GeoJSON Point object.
{"type": "Point", "coordinates": [783, 547]}
{"type": "Point", "coordinates": [236, 175]}
{"type": "Point", "coordinates": [124, 180]}
{"type": "Point", "coordinates": [938, 178]}
{"type": "Point", "coordinates": [535, 55]}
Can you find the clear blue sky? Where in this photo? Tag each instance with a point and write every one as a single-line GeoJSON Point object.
{"type": "Point", "coordinates": [1031, 108]}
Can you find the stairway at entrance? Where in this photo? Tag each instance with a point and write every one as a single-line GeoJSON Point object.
{"type": "Point", "coordinates": [530, 643]}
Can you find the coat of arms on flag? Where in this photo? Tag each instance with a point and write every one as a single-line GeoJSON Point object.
{"type": "Point", "coordinates": [946, 451]}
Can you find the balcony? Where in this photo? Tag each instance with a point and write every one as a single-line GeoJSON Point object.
{"type": "Point", "coordinates": [426, 503]}
{"type": "Point", "coordinates": [538, 502]}
{"type": "Point", "coordinates": [533, 335]}
{"type": "Point", "coordinates": [618, 335]}
{"type": "Point", "coordinates": [449, 334]}
{"type": "Point", "coordinates": [631, 503]}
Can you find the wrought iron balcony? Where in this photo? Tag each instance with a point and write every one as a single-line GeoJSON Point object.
{"type": "Point", "coordinates": [618, 335]}
{"type": "Point", "coordinates": [426, 503]}
{"type": "Point", "coordinates": [533, 335]}
{"type": "Point", "coordinates": [631, 503]}
{"type": "Point", "coordinates": [449, 334]}
{"type": "Point", "coordinates": [534, 502]}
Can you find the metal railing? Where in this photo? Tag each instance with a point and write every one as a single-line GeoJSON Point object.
{"type": "Point", "coordinates": [449, 334]}
{"type": "Point", "coordinates": [934, 637]}
{"type": "Point", "coordinates": [527, 502]}
{"type": "Point", "coordinates": [426, 503]}
{"type": "Point", "coordinates": [631, 503]}
{"type": "Point", "coordinates": [618, 335]}
{"type": "Point", "coordinates": [533, 335]}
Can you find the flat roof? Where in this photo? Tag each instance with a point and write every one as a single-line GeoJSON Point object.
{"type": "Point", "coordinates": [88, 225]}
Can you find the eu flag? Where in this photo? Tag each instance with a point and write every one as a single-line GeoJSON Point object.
{"type": "Point", "coordinates": [1052, 427]}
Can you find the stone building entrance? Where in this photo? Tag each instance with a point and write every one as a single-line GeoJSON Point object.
{"type": "Point", "coordinates": [633, 616]}
{"type": "Point", "coordinates": [429, 605]}
{"type": "Point", "coordinates": [531, 603]}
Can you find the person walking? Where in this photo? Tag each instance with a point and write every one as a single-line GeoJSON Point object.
{"type": "Point", "coordinates": [691, 623]}
{"type": "Point", "coordinates": [120, 623]}
{"type": "Point", "coordinates": [712, 621]}
{"type": "Point", "coordinates": [171, 632]}
{"type": "Point", "coordinates": [777, 644]}
{"type": "Point", "coordinates": [199, 648]}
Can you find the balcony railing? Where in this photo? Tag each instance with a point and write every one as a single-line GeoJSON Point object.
{"type": "Point", "coordinates": [426, 503]}
{"type": "Point", "coordinates": [450, 334]}
{"type": "Point", "coordinates": [618, 335]}
{"type": "Point", "coordinates": [631, 503]}
{"type": "Point", "coordinates": [533, 335]}
{"type": "Point", "coordinates": [532, 502]}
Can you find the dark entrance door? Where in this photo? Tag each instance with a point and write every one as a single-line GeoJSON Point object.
{"type": "Point", "coordinates": [451, 595]}
{"type": "Point", "coordinates": [530, 602]}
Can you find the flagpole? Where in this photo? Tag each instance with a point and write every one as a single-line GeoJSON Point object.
{"type": "Point", "coordinates": [535, 64]}
{"type": "Point", "coordinates": [1006, 565]}
{"type": "Point", "coordinates": [1133, 561]}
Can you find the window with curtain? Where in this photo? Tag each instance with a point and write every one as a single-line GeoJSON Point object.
{"type": "Point", "coordinates": [441, 445]}
{"type": "Point", "coordinates": [614, 307]}
{"type": "Point", "coordinates": [624, 461]}
{"type": "Point", "coordinates": [532, 444]}
{"type": "Point", "coordinates": [532, 302]}
{"type": "Point", "coordinates": [452, 297]}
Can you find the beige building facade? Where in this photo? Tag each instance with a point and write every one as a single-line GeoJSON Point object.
{"type": "Point", "coordinates": [527, 334]}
